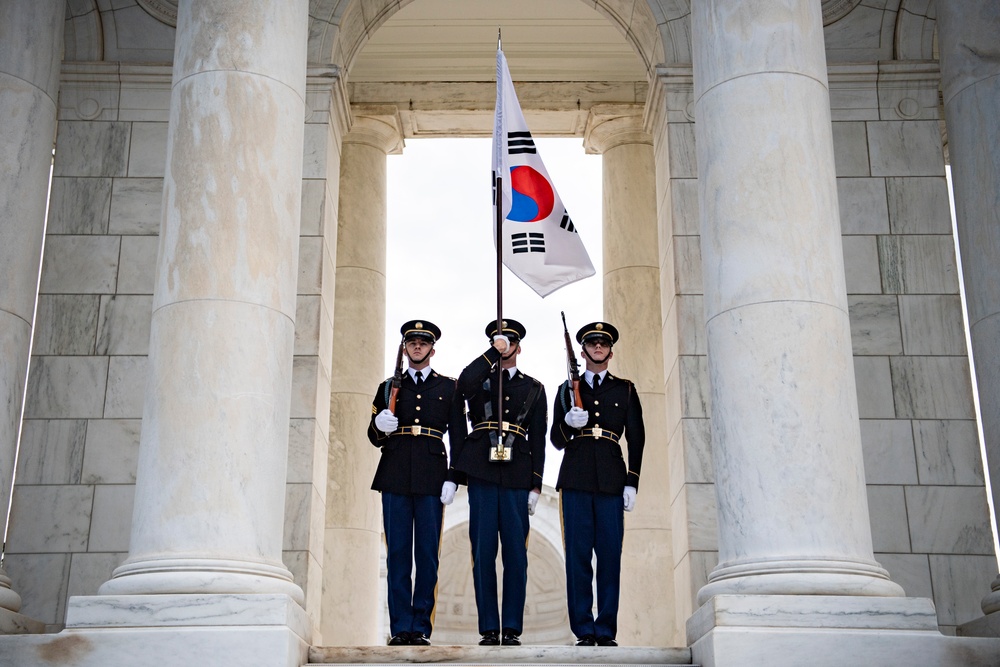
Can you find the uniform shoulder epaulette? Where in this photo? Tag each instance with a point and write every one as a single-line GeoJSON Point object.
{"type": "Point", "coordinates": [446, 377]}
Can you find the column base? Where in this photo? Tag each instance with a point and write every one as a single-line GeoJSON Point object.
{"type": "Point", "coordinates": [170, 631]}
{"type": "Point", "coordinates": [987, 626]}
{"type": "Point", "coordinates": [828, 631]}
{"type": "Point", "coordinates": [801, 577]}
{"type": "Point", "coordinates": [180, 576]}
{"type": "Point", "coordinates": [13, 623]}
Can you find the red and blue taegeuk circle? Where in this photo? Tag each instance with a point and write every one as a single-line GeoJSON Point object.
{"type": "Point", "coordinates": [532, 194]}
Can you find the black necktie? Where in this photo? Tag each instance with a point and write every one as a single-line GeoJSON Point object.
{"type": "Point", "coordinates": [597, 380]}
{"type": "Point", "coordinates": [420, 378]}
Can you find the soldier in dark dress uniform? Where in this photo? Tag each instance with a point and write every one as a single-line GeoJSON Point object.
{"type": "Point", "coordinates": [594, 483]}
{"type": "Point", "coordinates": [412, 475]}
{"type": "Point", "coordinates": [501, 493]}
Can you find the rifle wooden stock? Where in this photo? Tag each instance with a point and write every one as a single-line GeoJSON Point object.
{"type": "Point", "coordinates": [397, 379]}
{"type": "Point", "coordinates": [574, 369]}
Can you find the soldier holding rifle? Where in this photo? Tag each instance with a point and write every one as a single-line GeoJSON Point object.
{"type": "Point", "coordinates": [411, 412]}
{"type": "Point", "coordinates": [591, 415]}
{"type": "Point", "coordinates": [502, 459]}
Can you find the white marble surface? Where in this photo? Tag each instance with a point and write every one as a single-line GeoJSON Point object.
{"type": "Point", "coordinates": [123, 325]}
{"type": "Point", "coordinates": [970, 87]}
{"type": "Point", "coordinates": [137, 265]}
{"type": "Point", "coordinates": [948, 520]}
{"type": "Point", "coordinates": [147, 145]}
{"type": "Point", "coordinates": [918, 264]}
{"type": "Point", "coordinates": [80, 264]}
{"type": "Point", "coordinates": [932, 324]}
{"type": "Point", "coordinates": [66, 387]}
{"type": "Point", "coordinates": [65, 324]}
{"type": "Point", "coordinates": [905, 148]}
{"type": "Point", "coordinates": [79, 205]}
{"type": "Point", "coordinates": [209, 518]}
{"type": "Point", "coordinates": [932, 387]}
{"type": "Point", "coordinates": [779, 647]}
{"type": "Point", "coordinates": [947, 451]}
{"type": "Point", "coordinates": [135, 202]}
{"type": "Point", "coordinates": [887, 445]}
{"type": "Point", "coordinates": [850, 147]}
{"type": "Point", "coordinates": [82, 140]}
{"type": "Point", "coordinates": [863, 206]}
{"type": "Point", "coordinates": [813, 611]}
{"type": "Point", "coordinates": [918, 205]}
{"type": "Point", "coordinates": [875, 327]}
{"type": "Point", "coordinates": [861, 265]}
{"type": "Point", "coordinates": [52, 451]}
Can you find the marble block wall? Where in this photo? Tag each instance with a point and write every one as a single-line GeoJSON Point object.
{"type": "Point", "coordinates": [926, 495]}
{"type": "Point", "coordinates": [72, 505]}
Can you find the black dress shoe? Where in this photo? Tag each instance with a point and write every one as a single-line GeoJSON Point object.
{"type": "Point", "coordinates": [419, 639]}
{"type": "Point", "coordinates": [606, 641]}
{"type": "Point", "coordinates": [586, 640]}
{"type": "Point", "coordinates": [402, 639]}
{"type": "Point", "coordinates": [510, 638]}
{"type": "Point", "coordinates": [491, 638]}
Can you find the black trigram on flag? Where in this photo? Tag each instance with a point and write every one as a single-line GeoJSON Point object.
{"type": "Point", "coordinates": [528, 242]}
{"type": "Point", "coordinates": [566, 223]}
{"type": "Point", "coordinates": [520, 142]}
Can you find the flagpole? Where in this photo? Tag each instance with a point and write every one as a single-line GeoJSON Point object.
{"type": "Point", "coordinates": [499, 215]}
{"type": "Point", "coordinates": [498, 207]}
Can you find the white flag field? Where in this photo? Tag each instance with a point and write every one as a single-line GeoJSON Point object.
{"type": "Point", "coordinates": [540, 243]}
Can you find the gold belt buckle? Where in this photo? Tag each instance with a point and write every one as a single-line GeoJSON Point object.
{"type": "Point", "coordinates": [505, 426]}
{"type": "Point", "coordinates": [415, 430]}
{"type": "Point", "coordinates": [598, 432]}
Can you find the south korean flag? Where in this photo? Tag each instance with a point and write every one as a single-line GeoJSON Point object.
{"type": "Point", "coordinates": [541, 244]}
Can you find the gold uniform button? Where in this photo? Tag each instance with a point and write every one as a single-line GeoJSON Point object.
{"type": "Point", "coordinates": [416, 421]}
{"type": "Point", "coordinates": [595, 402]}
{"type": "Point", "coordinates": [419, 396]}
{"type": "Point", "coordinates": [418, 407]}
{"type": "Point", "coordinates": [596, 414]}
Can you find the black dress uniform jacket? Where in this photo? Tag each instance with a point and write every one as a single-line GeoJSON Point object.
{"type": "Point", "coordinates": [594, 463]}
{"type": "Point", "coordinates": [472, 457]}
{"type": "Point", "coordinates": [417, 464]}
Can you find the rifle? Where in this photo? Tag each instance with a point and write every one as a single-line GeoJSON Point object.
{"type": "Point", "coordinates": [397, 379]}
{"type": "Point", "coordinates": [573, 368]}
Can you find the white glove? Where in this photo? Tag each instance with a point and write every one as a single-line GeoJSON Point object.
{"type": "Point", "coordinates": [577, 417]}
{"type": "Point", "coordinates": [448, 492]}
{"type": "Point", "coordinates": [386, 422]}
{"type": "Point", "coordinates": [629, 497]}
{"type": "Point", "coordinates": [532, 501]}
{"type": "Point", "coordinates": [506, 342]}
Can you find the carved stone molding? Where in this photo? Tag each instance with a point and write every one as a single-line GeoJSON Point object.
{"type": "Point", "coordinates": [613, 125]}
{"type": "Point", "coordinates": [834, 10]}
{"type": "Point", "coordinates": [165, 11]}
{"type": "Point", "coordinates": [377, 125]}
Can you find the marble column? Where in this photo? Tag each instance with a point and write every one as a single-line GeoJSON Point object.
{"type": "Point", "coordinates": [970, 77]}
{"type": "Point", "coordinates": [792, 507]}
{"type": "Point", "coordinates": [31, 36]}
{"type": "Point", "coordinates": [353, 534]}
{"type": "Point", "coordinates": [632, 303]}
{"type": "Point", "coordinates": [210, 486]}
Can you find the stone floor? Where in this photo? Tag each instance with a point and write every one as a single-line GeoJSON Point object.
{"type": "Point", "coordinates": [498, 655]}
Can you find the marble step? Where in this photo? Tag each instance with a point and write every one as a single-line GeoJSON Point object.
{"type": "Point", "coordinates": [523, 656]}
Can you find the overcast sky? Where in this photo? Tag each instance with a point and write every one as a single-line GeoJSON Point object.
{"type": "Point", "coordinates": [442, 259]}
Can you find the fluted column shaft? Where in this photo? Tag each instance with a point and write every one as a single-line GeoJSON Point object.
{"type": "Point", "coordinates": [793, 515]}
{"type": "Point", "coordinates": [632, 303]}
{"type": "Point", "coordinates": [210, 486]}
{"type": "Point", "coordinates": [353, 533]}
{"type": "Point", "coordinates": [970, 77]}
{"type": "Point", "coordinates": [31, 36]}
